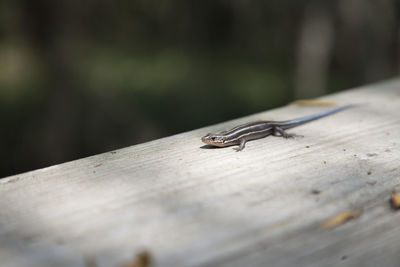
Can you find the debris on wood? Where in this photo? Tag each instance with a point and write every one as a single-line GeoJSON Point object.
{"type": "Point", "coordinates": [142, 259]}
{"type": "Point", "coordinates": [312, 102]}
{"type": "Point", "coordinates": [11, 180]}
{"type": "Point", "coordinates": [315, 192]}
{"type": "Point", "coordinates": [391, 170]}
{"type": "Point", "coordinates": [395, 201]}
{"type": "Point", "coordinates": [341, 218]}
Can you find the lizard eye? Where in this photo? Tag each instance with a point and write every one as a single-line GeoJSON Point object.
{"type": "Point", "coordinates": [213, 138]}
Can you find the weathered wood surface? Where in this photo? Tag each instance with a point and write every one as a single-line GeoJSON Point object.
{"type": "Point", "coordinates": [190, 206]}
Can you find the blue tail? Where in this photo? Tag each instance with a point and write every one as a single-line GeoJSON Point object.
{"type": "Point", "coordinates": [302, 120]}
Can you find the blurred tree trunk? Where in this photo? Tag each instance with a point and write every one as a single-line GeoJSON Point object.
{"type": "Point", "coordinates": [366, 39]}
{"type": "Point", "coordinates": [314, 50]}
{"type": "Point", "coordinates": [48, 26]}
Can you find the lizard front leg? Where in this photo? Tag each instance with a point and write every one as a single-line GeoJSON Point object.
{"type": "Point", "coordinates": [241, 145]}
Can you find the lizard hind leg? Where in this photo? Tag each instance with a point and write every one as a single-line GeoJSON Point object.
{"type": "Point", "coordinates": [278, 131]}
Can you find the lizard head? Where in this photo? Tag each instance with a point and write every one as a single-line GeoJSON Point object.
{"type": "Point", "coordinates": [213, 139]}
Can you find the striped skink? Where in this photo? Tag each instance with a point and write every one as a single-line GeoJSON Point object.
{"type": "Point", "coordinates": [260, 129]}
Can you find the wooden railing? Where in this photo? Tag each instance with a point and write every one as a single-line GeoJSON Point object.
{"type": "Point", "coordinates": [319, 200]}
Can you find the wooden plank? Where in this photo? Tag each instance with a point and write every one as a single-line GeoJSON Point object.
{"type": "Point", "coordinates": [190, 206]}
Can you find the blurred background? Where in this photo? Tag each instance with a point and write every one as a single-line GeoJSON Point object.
{"type": "Point", "coordinates": [79, 78]}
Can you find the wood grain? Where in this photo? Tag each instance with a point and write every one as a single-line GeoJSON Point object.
{"type": "Point", "coordinates": [191, 206]}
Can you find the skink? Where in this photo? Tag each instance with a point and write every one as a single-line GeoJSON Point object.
{"type": "Point", "coordinates": [260, 129]}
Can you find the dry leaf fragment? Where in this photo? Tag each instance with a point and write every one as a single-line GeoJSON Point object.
{"type": "Point", "coordinates": [395, 199]}
{"type": "Point", "coordinates": [90, 261]}
{"type": "Point", "coordinates": [341, 218]}
{"type": "Point", "coordinates": [312, 102]}
{"type": "Point", "coordinates": [141, 260]}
